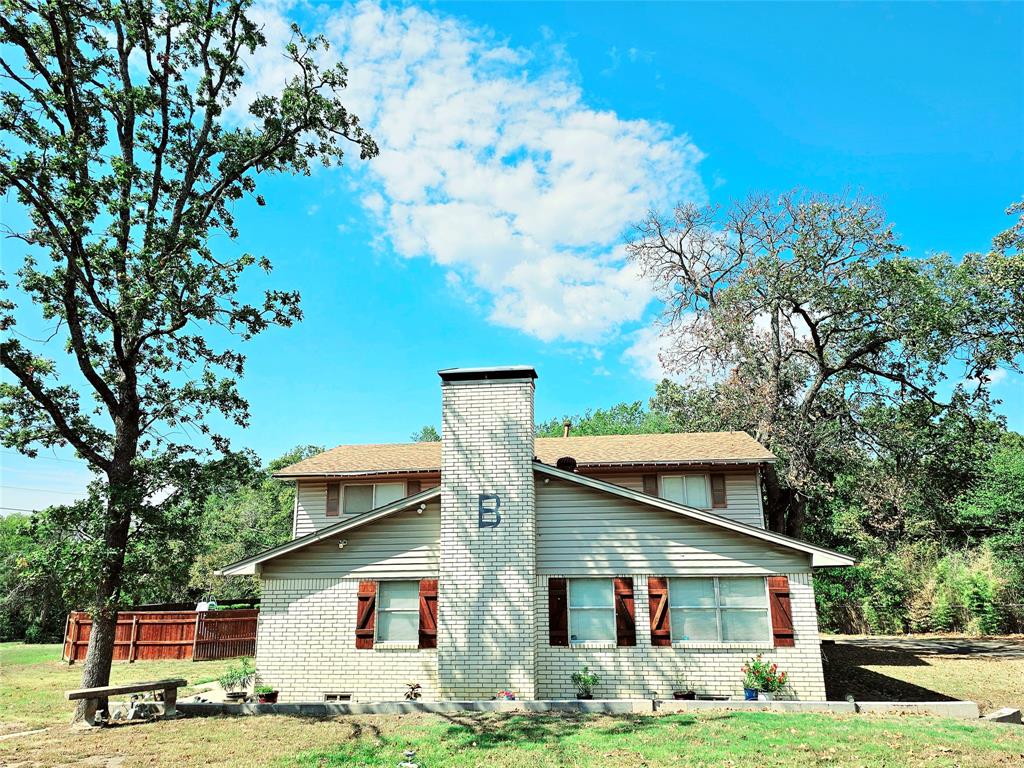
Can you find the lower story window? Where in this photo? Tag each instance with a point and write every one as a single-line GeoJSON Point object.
{"type": "Point", "coordinates": [591, 611]}
{"type": "Point", "coordinates": [398, 612]}
{"type": "Point", "coordinates": [719, 609]}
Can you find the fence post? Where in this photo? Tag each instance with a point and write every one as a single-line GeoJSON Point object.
{"type": "Point", "coordinates": [73, 639]}
{"type": "Point", "coordinates": [133, 639]}
{"type": "Point", "coordinates": [195, 635]}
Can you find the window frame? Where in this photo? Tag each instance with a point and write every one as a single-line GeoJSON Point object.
{"type": "Point", "coordinates": [718, 608]}
{"type": "Point", "coordinates": [610, 581]}
{"type": "Point", "coordinates": [684, 475]}
{"type": "Point", "coordinates": [378, 610]}
{"type": "Point", "coordinates": [373, 497]}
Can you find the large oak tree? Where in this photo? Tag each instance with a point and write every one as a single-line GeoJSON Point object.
{"type": "Point", "coordinates": [115, 139]}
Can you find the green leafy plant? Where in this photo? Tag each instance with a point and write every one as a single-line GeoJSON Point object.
{"type": "Point", "coordinates": [238, 676]}
{"type": "Point", "coordinates": [413, 691]}
{"type": "Point", "coordinates": [263, 688]}
{"type": "Point", "coordinates": [585, 681]}
{"type": "Point", "coordinates": [762, 675]}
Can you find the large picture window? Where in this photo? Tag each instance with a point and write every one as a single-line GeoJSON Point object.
{"type": "Point", "coordinates": [358, 498]}
{"type": "Point", "coordinates": [729, 610]}
{"type": "Point", "coordinates": [691, 490]}
{"type": "Point", "coordinates": [591, 611]}
{"type": "Point", "coordinates": [398, 612]}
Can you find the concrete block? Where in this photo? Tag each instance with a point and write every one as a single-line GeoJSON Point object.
{"type": "Point", "coordinates": [1004, 715]}
{"type": "Point", "coordinates": [959, 710]}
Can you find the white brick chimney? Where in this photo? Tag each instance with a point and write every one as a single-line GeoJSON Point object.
{"type": "Point", "coordinates": [486, 590]}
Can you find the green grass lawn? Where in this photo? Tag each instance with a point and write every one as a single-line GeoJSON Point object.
{"type": "Point", "coordinates": [32, 680]}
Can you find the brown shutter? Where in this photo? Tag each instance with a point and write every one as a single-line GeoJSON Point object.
{"type": "Point", "coordinates": [366, 613]}
{"type": "Point", "coordinates": [558, 612]}
{"type": "Point", "coordinates": [782, 613]}
{"type": "Point", "coordinates": [333, 499]}
{"type": "Point", "coordinates": [657, 598]}
{"type": "Point", "coordinates": [651, 485]}
{"type": "Point", "coordinates": [412, 487]}
{"type": "Point", "coordinates": [718, 500]}
{"type": "Point", "coordinates": [625, 612]}
{"type": "Point", "coordinates": [428, 613]}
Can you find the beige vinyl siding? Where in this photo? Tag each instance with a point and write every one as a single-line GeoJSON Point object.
{"type": "Point", "coordinates": [311, 504]}
{"type": "Point", "coordinates": [742, 493]}
{"type": "Point", "coordinates": [582, 532]}
{"type": "Point", "coordinates": [404, 545]}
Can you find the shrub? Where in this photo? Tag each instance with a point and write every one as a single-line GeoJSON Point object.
{"type": "Point", "coordinates": [585, 681]}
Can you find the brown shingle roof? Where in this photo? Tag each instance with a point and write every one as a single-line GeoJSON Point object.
{"type": "Point", "coordinates": [673, 448]}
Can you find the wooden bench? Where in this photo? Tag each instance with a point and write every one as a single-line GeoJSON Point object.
{"type": "Point", "coordinates": [93, 696]}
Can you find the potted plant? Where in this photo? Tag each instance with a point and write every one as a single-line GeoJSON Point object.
{"type": "Point", "coordinates": [506, 696]}
{"type": "Point", "coordinates": [266, 694]}
{"type": "Point", "coordinates": [585, 682]}
{"type": "Point", "coordinates": [762, 679]}
{"type": "Point", "coordinates": [680, 690]}
{"type": "Point", "coordinates": [237, 679]}
{"type": "Point", "coordinates": [413, 691]}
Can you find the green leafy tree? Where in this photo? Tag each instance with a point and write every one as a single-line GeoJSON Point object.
{"type": "Point", "coordinates": [239, 522]}
{"type": "Point", "coordinates": [807, 314]}
{"type": "Point", "coordinates": [114, 140]}
{"type": "Point", "coordinates": [428, 434]}
{"type": "Point", "coordinates": [620, 419]}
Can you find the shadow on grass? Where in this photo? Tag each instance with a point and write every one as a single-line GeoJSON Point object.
{"type": "Point", "coordinates": [845, 674]}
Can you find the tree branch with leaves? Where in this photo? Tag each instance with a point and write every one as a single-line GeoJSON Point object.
{"type": "Point", "coordinates": [115, 139]}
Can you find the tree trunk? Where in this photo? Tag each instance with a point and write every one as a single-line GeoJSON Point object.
{"type": "Point", "coordinates": [776, 500]}
{"type": "Point", "coordinates": [100, 653]}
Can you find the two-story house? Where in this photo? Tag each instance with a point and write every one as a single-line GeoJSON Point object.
{"type": "Point", "coordinates": [496, 560]}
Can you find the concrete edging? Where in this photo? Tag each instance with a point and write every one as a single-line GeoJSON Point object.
{"type": "Point", "coordinates": [960, 710]}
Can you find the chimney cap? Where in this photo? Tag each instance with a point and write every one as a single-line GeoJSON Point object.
{"type": "Point", "coordinates": [495, 372]}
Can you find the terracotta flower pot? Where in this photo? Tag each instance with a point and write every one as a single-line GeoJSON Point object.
{"type": "Point", "coordinates": [267, 698]}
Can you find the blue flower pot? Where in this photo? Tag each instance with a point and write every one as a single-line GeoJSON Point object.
{"type": "Point", "coordinates": [749, 694]}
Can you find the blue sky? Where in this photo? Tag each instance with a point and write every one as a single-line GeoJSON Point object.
{"type": "Point", "coordinates": [519, 140]}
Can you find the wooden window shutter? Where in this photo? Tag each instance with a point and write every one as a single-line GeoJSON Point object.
{"type": "Point", "coordinates": [718, 499]}
{"type": "Point", "coordinates": [651, 485]}
{"type": "Point", "coordinates": [657, 598]}
{"type": "Point", "coordinates": [428, 613]}
{"type": "Point", "coordinates": [782, 612]}
{"type": "Point", "coordinates": [366, 613]}
{"type": "Point", "coordinates": [558, 612]}
{"type": "Point", "coordinates": [625, 612]}
{"type": "Point", "coordinates": [333, 499]}
{"type": "Point", "coordinates": [412, 487]}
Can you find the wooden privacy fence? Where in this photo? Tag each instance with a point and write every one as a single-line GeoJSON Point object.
{"type": "Point", "coordinates": [152, 635]}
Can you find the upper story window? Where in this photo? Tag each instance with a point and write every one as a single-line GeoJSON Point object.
{"type": "Point", "coordinates": [357, 498]}
{"type": "Point", "coordinates": [728, 610]}
{"type": "Point", "coordinates": [591, 611]}
{"type": "Point", "coordinates": [691, 490]}
{"type": "Point", "coordinates": [704, 491]}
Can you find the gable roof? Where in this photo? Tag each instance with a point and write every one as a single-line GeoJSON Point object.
{"type": "Point", "coordinates": [820, 556]}
{"type": "Point", "coordinates": [590, 451]}
{"type": "Point", "coordinates": [248, 566]}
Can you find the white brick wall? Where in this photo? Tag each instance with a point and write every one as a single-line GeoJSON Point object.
{"type": "Point", "coordinates": [640, 671]}
{"type": "Point", "coordinates": [305, 646]}
{"type": "Point", "coordinates": [486, 610]}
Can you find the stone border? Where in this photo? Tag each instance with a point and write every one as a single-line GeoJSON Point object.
{"type": "Point", "coordinates": [961, 710]}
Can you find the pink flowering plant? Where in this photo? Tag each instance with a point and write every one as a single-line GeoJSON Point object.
{"type": "Point", "coordinates": [507, 695]}
{"type": "Point", "coordinates": [762, 675]}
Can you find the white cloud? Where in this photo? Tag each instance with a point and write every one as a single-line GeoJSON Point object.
{"type": "Point", "coordinates": [493, 166]}
{"type": "Point", "coordinates": [643, 353]}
